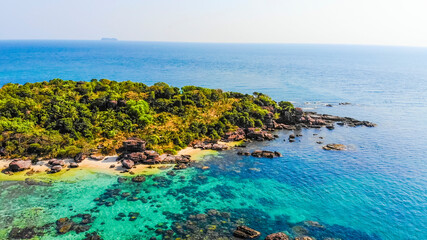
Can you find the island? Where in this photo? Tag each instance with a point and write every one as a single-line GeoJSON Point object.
{"type": "Point", "coordinates": [139, 123]}
{"type": "Point", "coordinates": [58, 126]}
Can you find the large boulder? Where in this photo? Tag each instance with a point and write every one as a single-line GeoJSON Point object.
{"type": "Point", "coordinates": [80, 157]}
{"type": "Point", "coordinates": [151, 154]}
{"type": "Point", "coordinates": [136, 157]}
{"type": "Point", "coordinates": [245, 232]}
{"type": "Point", "coordinates": [19, 165]}
{"type": "Point", "coordinates": [134, 145]}
{"type": "Point", "coordinates": [55, 162]}
{"type": "Point", "coordinates": [128, 164]}
{"type": "Point", "coordinates": [55, 168]}
{"type": "Point", "coordinates": [277, 236]}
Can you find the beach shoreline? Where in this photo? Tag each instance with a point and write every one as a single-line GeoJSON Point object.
{"type": "Point", "coordinates": [109, 165]}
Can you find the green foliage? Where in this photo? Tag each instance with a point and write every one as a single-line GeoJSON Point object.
{"type": "Point", "coordinates": [62, 118]}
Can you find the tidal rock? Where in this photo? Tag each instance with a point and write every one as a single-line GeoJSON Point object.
{"type": "Point", "coordinates": [74, 165]}
{"type": "Point", "coordinates": [56, 162]}
{"type": "Point", "coordinates": [128, 164]}
{"type": "Point", "coordinates": [277, 236]}
{"type": "Point", "coordinates": [180, 166]}
{"type": "Point", "coordinates": [139, 179]}
{"type": "Point", "coordinates": [55, 169]}
{"type": "Point", "coordinates": [237, 135]}
{"type": "Point", "coordinates": [19, 165]}
{"type": "Point", "coordinates": [245, 232]}
{"type": "Point", "coordinates": [335, 147]}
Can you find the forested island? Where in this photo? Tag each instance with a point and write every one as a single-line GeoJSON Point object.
{"type": "Point", "coordinates": [64, 118]}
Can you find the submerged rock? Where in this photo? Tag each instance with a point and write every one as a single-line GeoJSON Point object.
{"type": "Point", "coordinates": [335, 147]}
{"type": "Point", "coordinates": [277, 236]}
{"type": "Point", "coordinates": [22, 233]}
{"type": "Point", "coordinates": [245, 232]}
{"type": "Point", "coordinates": [64, 225]}
{"type": "Point", "coordinates": [139, 179]}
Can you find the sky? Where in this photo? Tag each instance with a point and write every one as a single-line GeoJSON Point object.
{"type": "Point", "coordinates": [372, 22]}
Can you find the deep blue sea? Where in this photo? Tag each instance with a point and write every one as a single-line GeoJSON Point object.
{"type": "Point", "coordinates": [375, 190]}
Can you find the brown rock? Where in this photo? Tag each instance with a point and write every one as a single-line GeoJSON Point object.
{"type": "Point", "coordinates": [19, 165]}
{"type": "Point", "coordinates": [55, 168]}
{"type": "Point", "coordinates": [277, 236]}
{"type": "Point", "coordinates": [335, 147]}
{"type": "Point", "coordinates": [246, 232]}
{"type": "Point", "coordinates": [134, 145]}
{"type": "Point", "coordinates": [139, 179]}
{"type": "Point", "coordinates": [128, 164]}
{"type": "Point", "coordinates": [80, 157]}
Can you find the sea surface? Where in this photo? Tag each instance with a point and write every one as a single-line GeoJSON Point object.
{"type": "Point", "coordinates": [375, 190]}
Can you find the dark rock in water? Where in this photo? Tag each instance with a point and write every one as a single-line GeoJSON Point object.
{"type": "Point", "coordinates": [55, 169]}
{"type": "Point", "coordinates": [128, 164]}
{"type": "Point", "coordinates": [139, 179]}
{"type": "Point", "coordinates": [277, 236]}
{"type": "Point", "coordinates": [64, 225]}
{"type": "Point", "coordinates": [291, 136]}
{"type": "Point", "coordinates": [335, 147]}
{"type": "Point", "coordinates": [80, 157]}
{"type": "Point", "coordinates": [74, 165]}
{"type": "Point", "coordinates": [313, 224]}
{"type": "Point", "coordinates": [92, 236]}
{"type": "Point", "coordinates": [121, 179]}
{"type": "Point", "coordinates": [22, 233]}
{"type": "Point", "coordinates": [112, 166]}
{"type": "Point", "coordinates": [30, 181]}
{"type": "Point", "coordinates": [171, 173]}
{"type": "Point", "coordinates": [291, 140]}
{"type": "Point", "coordinates": [245, 232]}
{"type": "Point", "coordinates": [134, 145]}
{"type": "Point", "coordinates": [277, 154]}
{"type": "Point", "coordinates": [180, 166]}
{"type": "Point", "coordinates": [19, 165]}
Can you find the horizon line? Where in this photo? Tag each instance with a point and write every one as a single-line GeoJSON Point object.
{"type": "Point", "coordinates": [200, 42]}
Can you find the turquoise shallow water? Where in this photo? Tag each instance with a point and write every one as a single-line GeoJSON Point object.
{"type": "Point", "coordinates": [376, 190]}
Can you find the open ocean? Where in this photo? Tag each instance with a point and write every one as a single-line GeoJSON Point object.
{"type": "Point", "coordinates": [375, 190]}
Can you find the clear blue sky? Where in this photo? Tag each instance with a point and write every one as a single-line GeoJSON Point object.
{"type": "Point", "coordinates": [380, 22]}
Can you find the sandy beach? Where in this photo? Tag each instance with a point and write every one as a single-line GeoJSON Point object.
{"type": "Point", "coordinates": [109, 165]}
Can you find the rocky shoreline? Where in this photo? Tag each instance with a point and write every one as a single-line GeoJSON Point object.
{"type": "Point", "coordinates": [133, 151]}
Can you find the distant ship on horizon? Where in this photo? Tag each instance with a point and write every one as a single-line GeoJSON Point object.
{"type": "Point", "coordinates": [109, 39]}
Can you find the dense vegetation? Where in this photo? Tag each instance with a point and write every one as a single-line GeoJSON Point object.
{"type": "Point", "coordinates": [63, 118]}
